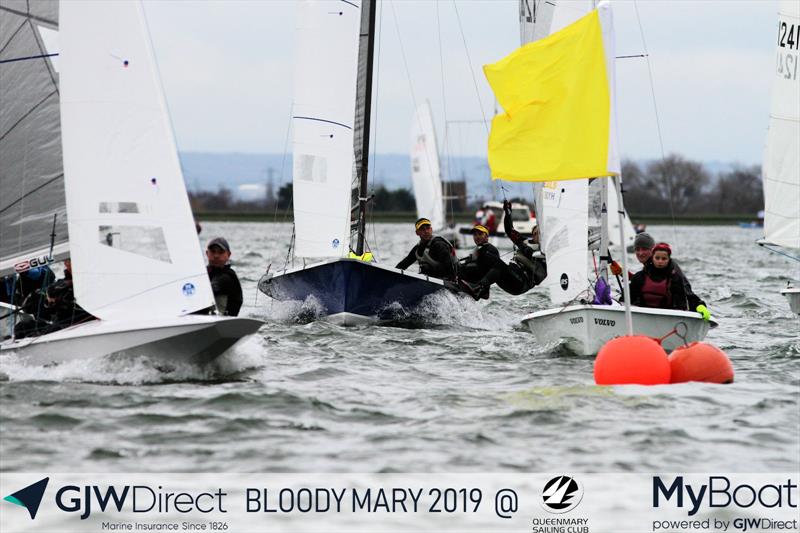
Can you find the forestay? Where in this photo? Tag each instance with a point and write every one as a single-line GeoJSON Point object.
{"type": "Point", "coordinates": [31, 172]}
{"type": "Point", "coordinates": [134, 248]}
{"type": "Point", "coordinates": [425, 170]}
{"type": "Point", "coordinates": [323, 123]}
{"type": "Point", "coordinates": [782, 156]}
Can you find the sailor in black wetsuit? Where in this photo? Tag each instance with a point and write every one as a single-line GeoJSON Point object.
{"type": "Point", "coordinates": [224, 281]}
{"type": "Point", "coordinates": [435, 255]}
{"type": "Point", "coordinates": [476, 265]}
{"type": "Point", "coordinates": [522, 273]}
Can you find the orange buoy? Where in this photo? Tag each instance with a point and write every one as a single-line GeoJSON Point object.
{"type": "Point", "coordinates": [700, 361]}
{"type": "Point", "coordinates": [631, 360]}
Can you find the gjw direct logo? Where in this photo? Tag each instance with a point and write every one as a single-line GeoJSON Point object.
{"type": "Point", "coordinates": [30, 497]}
{"type": "Point", "coordinates": [561, 494]}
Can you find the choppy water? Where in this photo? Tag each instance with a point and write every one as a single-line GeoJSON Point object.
{"type": "Point", "coordinates": [466, 390]}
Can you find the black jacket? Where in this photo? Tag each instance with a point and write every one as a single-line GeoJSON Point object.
{"type": "Point", "coordinates": [227, 289]}
{"type": "Point", "coordinates": [680, 292]}
{"type": "Point", "coordinates": [476, 265]}
{"type": "Point", "coordinates": [440, 250]}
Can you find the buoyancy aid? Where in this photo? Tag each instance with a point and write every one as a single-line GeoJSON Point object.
{"type": "Point", "coordinates": [656, 293]}
{"type": "Point", "coordinates": [425, 259]}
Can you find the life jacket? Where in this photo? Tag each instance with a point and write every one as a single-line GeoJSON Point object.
{"type": "Point", "coordinates": [424, 259]}
{"type": "Point", "coordinates": [656, 293]}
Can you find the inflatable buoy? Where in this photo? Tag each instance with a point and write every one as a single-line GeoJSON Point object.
{"type": "Point", "coordinates": [700, 361]}
{"type": "Point", "coordinates": [631, 360]}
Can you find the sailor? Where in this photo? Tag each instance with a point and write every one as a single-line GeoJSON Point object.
{"type": "Point", "coordinates": [436, 255]}
{"type": "Point", "coordinates": [472, 268]}
{"type": "Point", "coordinates": [643, 249]}
{"type": "Point", "coordinates": [224, 281]}
{"type": "Point", "coordinates": [661, 285]}
{"type": "Point", "coordinates": [525, 270]}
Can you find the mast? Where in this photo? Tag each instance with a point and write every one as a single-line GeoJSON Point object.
{"type": "Point", "coordinates": [366, 49]}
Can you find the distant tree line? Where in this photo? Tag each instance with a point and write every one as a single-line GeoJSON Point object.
{"type": "Point", "coordinates": [673, 185]}
{"type": "Point", "coordinates": [691, 189]}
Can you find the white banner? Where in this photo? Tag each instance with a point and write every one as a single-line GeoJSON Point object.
{"type": "Point", "coordinates": [533, 503]}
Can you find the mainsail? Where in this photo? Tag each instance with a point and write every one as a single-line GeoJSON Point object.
{"type": "Point", "coordinates": [781, 169]}
{"type": "Point", "coordinates": [324, 122]}
{"type": "Point", "coordinates": [425, 172]}
{"type": "Point", "coordinates": [31, 170]}
{"type": "Point", "coordinates": [133, 240]}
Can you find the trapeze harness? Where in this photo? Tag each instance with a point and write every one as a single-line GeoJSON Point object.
{"type": "Point", "coordinates": [430, 264]}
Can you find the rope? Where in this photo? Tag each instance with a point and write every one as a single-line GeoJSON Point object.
{"type": "Point", "coordinates": [658, 121]}
{"type": "Point", "coordinates": [472, 72]}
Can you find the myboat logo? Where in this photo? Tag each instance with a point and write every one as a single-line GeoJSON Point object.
{"type": "Point", "coordinates": [564, 281]}
{"type": "Point", "coordinates": [188, 289]}
{"type": "Point", "coordinates": [335, 243]}
{"type": "Point", "coordinates": [30, 497]}
{"type": "Point", "coordinates": [561, 494]}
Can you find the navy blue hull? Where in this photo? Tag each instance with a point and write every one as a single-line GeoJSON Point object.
{"type": "Point", "coordinates": [351, 286]}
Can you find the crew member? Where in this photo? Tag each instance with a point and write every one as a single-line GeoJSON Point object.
{"type": "Point", "coordinates": [472, 268]}
{"type": "Point", "coordinates": [224, 281]}
{"type": "Point", "coordinates": [523, 272]}
{"type": "Point", "coordinates": [436, 255]}
{"type": "Point", "coordinates": [659, 284]}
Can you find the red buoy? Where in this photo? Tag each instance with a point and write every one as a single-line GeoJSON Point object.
{"type": "Point", "coordinates": [631, 360]}
{"type": "Point", "coordinates": [700, 361]}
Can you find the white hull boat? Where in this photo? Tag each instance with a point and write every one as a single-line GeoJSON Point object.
{"type": "Point", "coordinates": [586, 328]}
{"type": "Point", "coordinates": [195, 339]}
{"type": "Point", "coordinates": [793, 295]}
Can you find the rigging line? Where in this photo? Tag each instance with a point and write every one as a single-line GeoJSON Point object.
{"type": "Point", "coordinates": [773, 250]}
{"type": "Point", "coordinates": [441, 68]}
{"type": "Point", "coordinates": [403, 54]}
{"type": "Point", "coordinates": [18, 200]}
{"type": "Point", "coordinates": [283, 160]}
{"type": "Point", "coordinates": [472, 72]}
{"type": "Point", "coordinates": [374, 144]}
{"type": "Point", "coordinates": [324, 120]}
{"type": "Point", "coordinates": [658, 121]}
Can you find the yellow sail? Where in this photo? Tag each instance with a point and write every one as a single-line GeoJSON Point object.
{"type": "Point", "coordinates": [558, 98]}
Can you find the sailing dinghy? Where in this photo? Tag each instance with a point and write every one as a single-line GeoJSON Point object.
{"type": "Point", "coordinates": [563, 205]}
{"type": "Point", "coordinates": [85, 139]}
{"type": "Point", "coordinates": [331, 123]}
{"type": "Point", "coordinates": [781, 170]}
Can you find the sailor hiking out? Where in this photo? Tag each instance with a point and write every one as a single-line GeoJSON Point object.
{"type": "Point", "coordinates": [436, 255]}
{"type": "Point", "coordinates": [473, 268]}
{"type": "Point", "coordinates": [521, 274]}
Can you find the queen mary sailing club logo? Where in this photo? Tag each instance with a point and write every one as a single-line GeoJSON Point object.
{"type": "Point", "coordinates": [561, 494]}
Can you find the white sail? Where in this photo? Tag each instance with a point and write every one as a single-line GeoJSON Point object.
{"type": "Point", "coordinates": [133, 244]}
{"type": "Point", "coordinates": [33, 218]}
{"type": "Point", "coordinates": [323, 122]}
{"type": "Point", "coordinates": [535, 19]}
{"type": "Point", "coordinates": [564, 241]}
{"type": "Point", "coordinates": [781, 168]}
{"type": "Point", "coordinates": [425, 170]}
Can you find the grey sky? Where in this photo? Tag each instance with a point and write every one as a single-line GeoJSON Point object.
{"type": "Point", "coordinates": [227, 69]}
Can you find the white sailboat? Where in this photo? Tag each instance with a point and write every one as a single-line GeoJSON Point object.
{"type": "Point", "coordinates": [85, 83]}
{"type": "Point", "coordinates": [781, 168]}
{"type": "Point", "coordinates": [331, 122]}
{"type": "Point", "coordinates": [562, 211]}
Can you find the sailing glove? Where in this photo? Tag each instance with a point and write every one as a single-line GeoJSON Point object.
{"type": "Point", "coordinates": [703, 310]}
{"type": "Point", "coordinates": [615, 268]}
